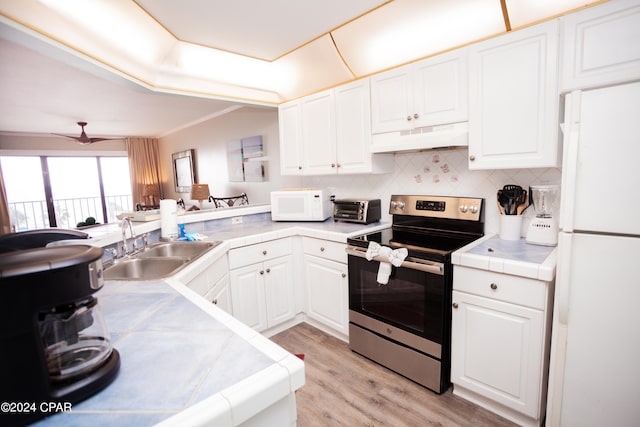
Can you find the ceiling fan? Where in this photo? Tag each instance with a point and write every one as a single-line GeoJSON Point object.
{"type": "Point", "coordinates": [83, 138]}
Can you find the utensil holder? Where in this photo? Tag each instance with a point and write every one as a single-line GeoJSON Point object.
{"type": "Point", "coordinates": [510, 227]}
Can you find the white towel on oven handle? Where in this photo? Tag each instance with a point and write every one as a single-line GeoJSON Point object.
{"type": "Point", "coordinates": [395, 257]}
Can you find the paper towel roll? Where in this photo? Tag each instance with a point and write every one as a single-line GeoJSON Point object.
{"type": "Point", "coordinates": [168, 219]}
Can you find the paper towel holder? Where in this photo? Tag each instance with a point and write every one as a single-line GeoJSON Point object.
{"type": "Point", "coordinates": [184, 172]}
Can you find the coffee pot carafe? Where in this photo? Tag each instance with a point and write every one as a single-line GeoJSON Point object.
{"type": "Point", "coordinates": [55, 344]}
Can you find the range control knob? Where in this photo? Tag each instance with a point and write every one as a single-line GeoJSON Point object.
{"type": "Point", "coordinates": [464, 208]}
{"type": "Point", "coordinates": [397, 205]}
{"type": "Point", "coordinates": [474, 209]}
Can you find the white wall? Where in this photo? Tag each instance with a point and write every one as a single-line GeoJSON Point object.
{"type": "Point", "coordinates": [431, 172]}
{"type": "Point", "coordinates": [209, 140]}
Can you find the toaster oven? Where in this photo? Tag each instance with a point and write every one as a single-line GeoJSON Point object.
{"type": "Point", "coordinates": [357, 210]}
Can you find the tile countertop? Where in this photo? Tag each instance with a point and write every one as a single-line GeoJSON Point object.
{"type": "Point", "coordinates": [184, 361]}
{"type": "Point", "coordinates": [514, 257]}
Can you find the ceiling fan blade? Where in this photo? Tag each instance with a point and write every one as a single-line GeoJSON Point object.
{"type": "Point", "coordinates": [92, 140]}
{"type": "Point", "coordinates": [83, 138]}
{"type": "Point", "coordinates": [66, 136]}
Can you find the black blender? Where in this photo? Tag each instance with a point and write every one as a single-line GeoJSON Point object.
{"type": "Point", "coordinates": [55, 345]}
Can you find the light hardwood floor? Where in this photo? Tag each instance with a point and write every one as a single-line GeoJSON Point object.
{"type": "Point", "coordinates": [345, 389]}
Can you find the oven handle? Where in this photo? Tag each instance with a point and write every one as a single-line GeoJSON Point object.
{"type": "Point", "coordinates": [412, 263]}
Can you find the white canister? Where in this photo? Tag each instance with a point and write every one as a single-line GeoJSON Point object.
{"type": "Point", "coordinates": [510, 227]}
{"type": "Point", "coordinates": [168, 219]}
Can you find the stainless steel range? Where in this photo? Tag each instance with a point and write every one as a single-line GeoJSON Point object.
{"type": "Point", "coordinates": [405, 323]}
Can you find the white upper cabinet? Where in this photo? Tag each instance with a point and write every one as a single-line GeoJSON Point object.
{"type": "Point", "coordinates": [513, 92]}
{"type": "Point", "coordinates": [290, 138]}
{"type": "Point", "coordinates": [426, 93]}
{"type": "Point", "coordinates": [408, 104]}
{"type": "Point", "coordinates": [319, 133]}
{"type": "Point", "coordinates": [391, 101]}
{"type": "Point", "coordinates": [330, 133]}
{"type": "Point", "coordinates": [601, 45]}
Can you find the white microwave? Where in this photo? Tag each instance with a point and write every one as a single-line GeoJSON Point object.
{"type": "Point", "coordinates": [305, 204]}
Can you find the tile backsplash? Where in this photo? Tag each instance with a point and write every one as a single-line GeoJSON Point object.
{"type": "Point", "coordinates": [442, 172]}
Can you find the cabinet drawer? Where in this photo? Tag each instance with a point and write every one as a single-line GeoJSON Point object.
{"type": "Point", "coordinates": [259, 252]}
{"type": "Point", "coordinates": [502, 287]}
{"type": "Point", "coordinates": [326, 249]}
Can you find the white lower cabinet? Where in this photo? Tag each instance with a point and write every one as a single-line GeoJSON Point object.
{"type": "Point", "coordinates": [263, 293]}
{"type": "Point", "coordinates": [220, 295]}
{"type": "Point", "coordinates": [326, 285]}
{"type": "Point", "coordinates": [500, 343]}
{"type": "Point", "coordinates": [212, 283]}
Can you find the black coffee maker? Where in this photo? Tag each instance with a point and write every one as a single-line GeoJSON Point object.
{"type": "Point", "coordinates": [55, 345]}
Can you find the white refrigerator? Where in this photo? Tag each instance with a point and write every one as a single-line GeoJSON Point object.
{"type": "Point", "coordinates": [594, 375]}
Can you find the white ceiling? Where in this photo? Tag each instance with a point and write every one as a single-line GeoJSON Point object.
{"type": "Point", "coordinates": [151, 67]}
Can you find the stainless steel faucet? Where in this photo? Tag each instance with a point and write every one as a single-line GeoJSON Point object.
{"type": "Point", "coordinates": [125, 248]}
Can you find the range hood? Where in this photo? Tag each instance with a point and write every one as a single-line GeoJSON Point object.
{"type": "Point", "coordinates": [423, 138]}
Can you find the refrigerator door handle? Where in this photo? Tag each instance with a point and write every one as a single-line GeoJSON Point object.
{"type": "Point", "coordinates": [563, 277]}
{"type": "Point", "coordinates": [571, 141]}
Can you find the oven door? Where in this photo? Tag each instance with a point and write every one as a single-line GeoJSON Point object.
{"type": "Point", "coordinates": [409, 309]}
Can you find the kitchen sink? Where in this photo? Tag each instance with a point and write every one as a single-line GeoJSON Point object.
{"type": "Point", "coordinates": [144, 269]}
{"type": "Point", "coordinates": [189, 250]}
{"type": "Point", "coordinates": [158, 261]}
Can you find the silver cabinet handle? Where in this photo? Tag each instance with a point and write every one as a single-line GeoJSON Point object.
{"type": "Point", "coordinates": [344, 275]}
{"type": "Point", "coordinates": [494, 286]}
{"type": "Point", "coordinates": [321, 249]}
{"type": "Point", "coordinates": [416, 116]}
{"type": "Point", "coordinates": [472, 157]}
{"type": "Point", "coordinates": [215, 301]}
{"type": "Point", "coordinates": [455, 305]}
{"type": "Point", "coordinates": [409, 118]}
{"type": "Point", "coordinates": [261, 271]}
{"type": "Point", "coordinates": [268, 270]}
{"type": "Point", "coordinates": [264, 252]}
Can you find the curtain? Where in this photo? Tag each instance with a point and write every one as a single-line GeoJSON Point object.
{"type": "Point", "coordinates": [5, 221]}
{"type": "Point", "coordinates": [144, 168]}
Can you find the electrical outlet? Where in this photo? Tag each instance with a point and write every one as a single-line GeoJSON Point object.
{"type": "Point", "coordinates": [236, 220]}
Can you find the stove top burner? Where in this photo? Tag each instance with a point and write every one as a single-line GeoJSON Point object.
{"type": "Point", "coordinates": [430, 227]}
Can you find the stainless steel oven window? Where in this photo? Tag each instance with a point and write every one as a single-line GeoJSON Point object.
{"type": "Point", "coordinates": [412, 300]}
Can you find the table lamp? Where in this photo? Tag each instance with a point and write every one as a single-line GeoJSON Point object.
{"type": "Point", "coordinates": [150, 191]}
{"type": "Point", "coordinates": [200, 192]}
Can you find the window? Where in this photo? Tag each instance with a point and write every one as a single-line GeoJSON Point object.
{"type": "Point", "coordinates": [65, 191]}
{"type": "Point", "coordinates": [25, 192]}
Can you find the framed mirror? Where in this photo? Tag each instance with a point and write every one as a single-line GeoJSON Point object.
{"type": "Point", "coordinates": [183, 170]}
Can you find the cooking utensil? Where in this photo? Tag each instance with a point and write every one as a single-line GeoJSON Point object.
{"type": "Point", "coordinates": [512, 195]}
{"type": "Point", "coordinates": [503, 201]}
{"type": "Point", "coordinates": [500, 207]}
{"type": "Point", "coordinates": [522, 202]}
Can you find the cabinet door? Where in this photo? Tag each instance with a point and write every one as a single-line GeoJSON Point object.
{"type": "Point", "coordinates": [440, 90]}
{"type": "Point", "coordinates": [290, 139]}
{"type": "Point", "coordinates": [248, 296]}
{"type": "Point", "coordinates": [319, 134]}
{"type": "Point", "coordinates": [391, 103]}
{"type": "Point", "coordinates": [279, 290]}
{"type": "Point", "coordinates": [327, 291]}
{"type": "Point", "coordinates": [513, 99]}
{"type": "Point", "coordinates": [600, 45]}
{"type": "Point", "coordinates": [496, 351]}
{"type": "Point", "coordinates": [220, 294]}
{"type": "Point", "coordinates": [353, 127]}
